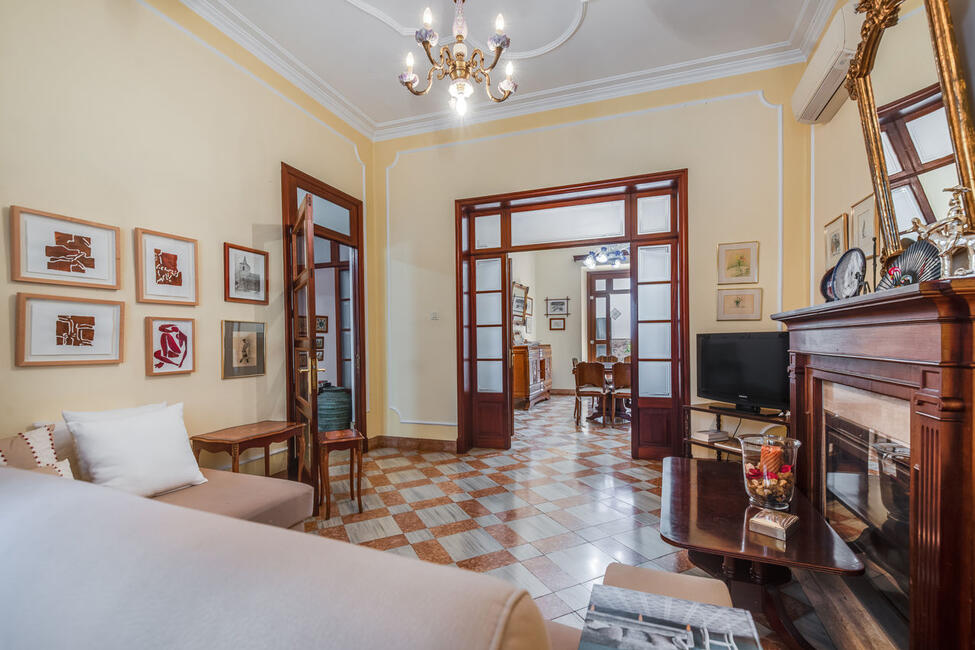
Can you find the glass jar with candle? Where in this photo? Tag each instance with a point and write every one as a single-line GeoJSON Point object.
{"type": "Point", "coordinates": [769, 467]}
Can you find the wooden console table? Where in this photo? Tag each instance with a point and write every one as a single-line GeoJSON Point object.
{"type": "Point", "coordinates": [704, 509]}
{"type": "Point", "coordinates": [717, 409]}
{"type": "Point", "coordinates": [234, 440]}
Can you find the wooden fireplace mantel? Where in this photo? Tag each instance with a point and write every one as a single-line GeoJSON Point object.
{"type": "Point", "coordinates": [914, 343]}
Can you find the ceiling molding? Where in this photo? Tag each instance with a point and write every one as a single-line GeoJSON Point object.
{"type": "Point", "coordinates": [810, 23]}
{"type": "Point", "coordinates": [402, 30]}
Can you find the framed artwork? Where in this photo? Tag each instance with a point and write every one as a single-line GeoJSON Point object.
{"type": "Point", "coordinates": [556, 324]}
{"type": "Point", "coordinates": [245, 274]}
{"type": "Point", "coordinates": [166, 268]}
{"type": "Point", "coordinates": [738, 263]}
{"type": "Point", "coordinates": [863, 225]}
{"type": "Point", "coordinates": [53, 249]}
{"type": "Point", "coordinates": [519, 301]}
{"type": "Point", "coordinates": [529, 324]}
{"type": "Point", "coordinates": [320, 355]}
{"type": "Point", "coordinates": [529, 306]}
{"type": "Point", "coordinates": [557, 307]}
{"type": "Point", "coordinates": [242, 349]}
{"type": "Point", "coordinates": [739, 304]}
{"type": "Point", "coordinates": [836, 239]}
{"type": "Point", "coordinates": [63, 331]}
{"type": "Point", "coordinates": [170, 346]}
{"type": "Point", "coordinates": [319, 342]}
{"type": "Point", "coordinates": [321, 324]}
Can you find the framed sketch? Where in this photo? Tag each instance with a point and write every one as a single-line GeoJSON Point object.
{"type": "Point", "coordinates": [529, 306]}
{"type": "Point", "coordinates": [519, 300]}
{"type": "Point", "coordinates": [245, 274]}
{"type": "Point", "coordinates": [166, 268]}
{"type": "Point", "coordinates": [242, 349]}
{"type": "Point", "coordinates": [319, 342]}
{"type": "Point", "coordinates": [556, 324]}
{"type": "Point", "coordinates": [320, 355]}
{"type": "Point", "coordinates": [863, 225]}
{"type": "Point", "coordinates": [738, 263]}
{"type": "Point", "coordinates": [170, 346]}
{"type": "Point", "coordinates": [321, 324]}
{"type": "Point", "coordinates": [739, 304]}
{"type": "Point", "coordinates": [556, 307]}
{"type": "Point", "coordinates": [54, 249]}
{"type": "Point", "coordinates": [529, 324]}
{"type": "Point", "coordinates": [836, 239]}
{"type": "Point", "coordinates": [63, 331]}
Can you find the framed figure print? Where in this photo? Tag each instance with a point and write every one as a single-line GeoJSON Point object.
{"type": "Point", "coordinates": [53, 249]}
{"type": "Point", "coordinates": [556, 306]}
{"type": "Point", "coordinates": [321, 324]}
{"type": "Point", "coordinates": [245, 274]}
{"type": "Point", "coordinates": [837, 242]}
{"type": "Point", "coordinates": [738, 263]}
{"type": "Point", "coordinates": [319, 342]}
{"type": "Point", "coordinates": [170, 346]}
{"type": "Point", "coordinates": [63, 331]}
{"type": "Point", "coordinates": [863, 225]}
{"type": "Point", "coordinates": [556, 324]}
{"type": "Point", "coordinates": [529, 306]}
{"type": "Point", "coordinates": [739, 304]}
{"type": "Point", "coordinates": [242, 349]}
{"type": "Point", "coordinates": [166, 268]}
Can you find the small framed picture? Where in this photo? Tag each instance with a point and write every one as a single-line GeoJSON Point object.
{"type": "Point", "coordinates": [836, 239]}
{"type": "Point", "coordinates": [556, 324]}
{"type": "Point", "coordinates": [320, 355]}
{"type": "Point", "coordinates": [170, 346]}
{"type": "Point", "coordinates": [242, 349]}
{"type": "Point", "coordinates": [53, 249]}
{"type": "Point", "coordinates": [319, 342]}
{"type": "Point", "coordinates": [321, 324]}
{"type": "Point", "coordinates": [738, 263]}
{"type": "Point", "coordinates": [557, 307]}
{"type": "Point", "coordinates": [529, 306]}
{"type": "Point", "coordinates": [529, 324]}
{"type": "Point", "coordinates": [863, 225]}
{"type": "Point", "coordinates": [739, 304]}
{"type": "Point", "coordinates": [166, 268]}
{"type": "Point", "coordinates": [63, 331]}
{"type": "Point", "coordinates": [245, 274]}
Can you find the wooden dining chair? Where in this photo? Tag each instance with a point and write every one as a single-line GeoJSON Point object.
{"type": "Point", "coordinates": [627, 359]}
{"type": "Point", "coordinates": [590, 382]}
{"type": "Point", "coordinates": [622, 387]}
{"type": "Point", "coordinates": [607, 358]}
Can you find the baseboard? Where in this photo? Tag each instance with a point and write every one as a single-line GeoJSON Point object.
{"type": "Point", "coordinates": [413, 444]}
{"type": "Point", "coordinates": [562, 391]}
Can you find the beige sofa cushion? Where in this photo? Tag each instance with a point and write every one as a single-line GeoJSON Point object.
{"type": "Point", "coordinates": [675, 585]}
{"type": "Point", "coordinates": [122, 571]}
{"type": "Point", "coordinates": [255, 498]}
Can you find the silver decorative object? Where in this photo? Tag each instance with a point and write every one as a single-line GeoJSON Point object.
{"type": "Point", "coordinates": [950, 235]}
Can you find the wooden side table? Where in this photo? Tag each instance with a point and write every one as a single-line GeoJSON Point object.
{"type": "Point", "coordinates": [234, 440]}
{"type": "Point", "coordinates": [329, 441]}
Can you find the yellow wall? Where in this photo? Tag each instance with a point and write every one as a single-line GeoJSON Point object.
{"type": "Point", "coordinates": [113, 113]}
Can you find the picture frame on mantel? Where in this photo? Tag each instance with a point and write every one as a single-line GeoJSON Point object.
{"type": "Point", "coordinates": [167, 268]}
{"type": "Point", "coordinates": [49, 248]}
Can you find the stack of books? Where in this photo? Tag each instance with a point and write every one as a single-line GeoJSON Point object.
{"type": "Point", "coordinates": [710, 435]}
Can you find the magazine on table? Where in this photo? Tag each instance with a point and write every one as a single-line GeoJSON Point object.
{"type": "Point", "coordinates": [622, 618]}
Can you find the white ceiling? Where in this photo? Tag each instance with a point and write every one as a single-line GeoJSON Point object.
{"type": "Point", "coordinates": [347, 53]}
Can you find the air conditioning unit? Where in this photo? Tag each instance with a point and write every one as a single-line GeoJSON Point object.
{"type": "Point", "coordinates": [821, 91]}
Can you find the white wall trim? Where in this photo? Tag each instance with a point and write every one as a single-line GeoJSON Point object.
{"type": "Point", "coordinates": [808, 27]}
{"type": "Point", "coordinates": [424, 422]}
{"type": "Point", "coordinates": [812, 215]}
{"type": "Point", "coordinates": [758, 94]}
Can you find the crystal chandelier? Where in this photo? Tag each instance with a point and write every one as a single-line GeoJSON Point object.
{"type": "Point", "coordinates": [616, 257]}
{"type": "Point", "coordinates": [453, 62]}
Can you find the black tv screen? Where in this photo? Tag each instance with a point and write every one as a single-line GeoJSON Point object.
{"type": "Point", "coordinates": [748, 369]}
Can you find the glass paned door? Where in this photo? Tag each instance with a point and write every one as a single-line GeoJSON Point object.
{"type": "Point", "coordinates": [301, 244]}
{"type": "Point", "coordinates": [609, 315]}
{"type": "Point", "coordinates": [491, 355]}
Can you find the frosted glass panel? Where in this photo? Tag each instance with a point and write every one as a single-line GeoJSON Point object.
{"type": "Point", "coordinates": [933, 182]}
{"type": "Point", "coordinates": [653, 214]}
{"type": "Point", "coordinates": [654, 341]}
{"type": "Point", "coordinates": [489, 343]}
{"type": "Point", "coordinates": [653, 302]}
{"type": "Point", "coordinates": [906, 207]}
{"type": "Point", "coordinates": [347, 345]}
{"type": "Point", "coordinates": [323, 250]}
{"type": "Point", "coordinates": [600, 328]}
{"type": "Point", "coordinates": [654, 264]}
{"type": "Point", "coordinates": [488, 309]}
{"type": "Point", "coordinates": [600, 350]}
{"type": "Point", "coordinates": [488, 275]}
{"type": "Point", "coordinates": [601, 285]}
{"type": "Point", "coordinates": [346, 317]}
{"type": "Point", "coordinates": [591, 221]}
{"type": "Point", "coordinates": [463, 234]}
{"type": "Point", "coordinates": [893, 162]}
{"type": "Point", "coordinates": [621, 283]}
{"type": "Point", "coordinates": [619, 315]}
{"type": "Point", "coordinates": [931, 136]}
{"type": "Point", "coordinates": [487, 231]}
{"type": "Point", "coordinates": [467, 313]}
{"type": "Point", "coordinates": [345, 288]}
{"type": "Point", "coordinates": [467, 343]}
{"type": "Point", "coordinates": [489, 376]}
{"type": "Point", "coordinates": [654, 378]}
{"type": "Point", "coordinates": [327, 214]}
{"type": "Point", "coordinates": [347, 375]}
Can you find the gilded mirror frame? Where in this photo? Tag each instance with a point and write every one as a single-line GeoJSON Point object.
{"type": "Point", "coordinates": [879, 16]}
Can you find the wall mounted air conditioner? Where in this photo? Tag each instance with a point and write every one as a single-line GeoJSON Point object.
{"type": "Point", "coordinates": [821, 92]}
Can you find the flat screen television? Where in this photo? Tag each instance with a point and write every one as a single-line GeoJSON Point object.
{"type": "Point", "coordinates": [747, 369]}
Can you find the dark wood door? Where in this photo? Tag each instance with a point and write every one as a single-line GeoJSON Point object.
{"type": "Point", "coordinates": [492, 415]}
{"type": "Point", "coordinates": [609, 314]}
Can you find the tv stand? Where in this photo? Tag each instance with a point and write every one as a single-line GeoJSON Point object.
{"type": "Point", "coordinates": [718, 409]}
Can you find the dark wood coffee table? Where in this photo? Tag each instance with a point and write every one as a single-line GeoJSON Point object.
{"type": "Point", "coordinates": [705, 510]}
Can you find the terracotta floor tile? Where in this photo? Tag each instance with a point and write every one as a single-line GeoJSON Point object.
{"type": "Point", "coordinates": [497, 489]}
{"type": "Point", "coordinates": [505, 535]}
{"type": "Point", "coordinates": [335, 532]}
{"type": "Point", "coordinates": [483, 563]}
{"type": "Point", "coordinates": [386, 543]}
{"type": "Point", "coordinates": [408, 522]}
{"type": "Point", "coordinates": [392, 498]}
{"type": "Point", "coordinates": [558, 542]}
{"type": "Point", "coordinates": [417, 483]}
{"type": "Point", "coordinates": [518, 513]}
{"type": "Point", "coordinates": [552, 606]}
{"type": "Point", "coordinates": [430, 503]}
{"type": "Point", "coordinates": [432, 551]}
{"type": "Point", "coordinates": [453, 528]}
{"type": "Point", "coordinates": [364, 515]}
{"type": "Point", "coordinates": [568, 520]}
{"type": "Point", "coordinates": [449, 487]}
{"type": "Point", "coordinates": [473, 508]}
{"type": "Point", "coordinates": [549, 573]}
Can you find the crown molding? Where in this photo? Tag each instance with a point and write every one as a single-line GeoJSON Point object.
{"type": "Point", "coordinates": [812, 19]}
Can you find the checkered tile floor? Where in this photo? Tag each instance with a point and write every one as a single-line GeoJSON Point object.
{"type": "Point", "coordinates": [549, 514]}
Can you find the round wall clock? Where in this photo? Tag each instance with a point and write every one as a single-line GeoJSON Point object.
{"type": "Point", "coordinates": [824, 287]}
{"type": "Point", "coordinates": [847, 278]}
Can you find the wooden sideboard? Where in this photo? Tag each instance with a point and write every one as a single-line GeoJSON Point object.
{"type": "Point", "coordinates": [897, 365]}
{"type": "Point", "coordinates": [532, 368]}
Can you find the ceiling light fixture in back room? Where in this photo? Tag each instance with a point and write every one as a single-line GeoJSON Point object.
{"type": "Point", "coordinates": [453, 62]}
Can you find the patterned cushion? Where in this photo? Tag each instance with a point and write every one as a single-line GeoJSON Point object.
{"type": "Point", "coordinates": [61, 468]}
{"type": "Point", "coordinates": [28, 450]}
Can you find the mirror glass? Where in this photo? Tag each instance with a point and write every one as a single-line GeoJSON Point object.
{"type": "Point", "coordinates": [916, 140]}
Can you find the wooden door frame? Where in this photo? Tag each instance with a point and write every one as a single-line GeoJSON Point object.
{"type": "Point", "coordinates": [292, 180]}
{"type": "Point", "coordinates": [591, 278]}
{"type": "Point", "coordinates": [629, 189]}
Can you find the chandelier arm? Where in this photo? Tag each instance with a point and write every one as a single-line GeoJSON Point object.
{"type": "Point", "coordinates": [487, 88]}
{"type": "Point", "coordinates": [497, 57]}
{"type": "Point", "coordinates": [418, 93]}
{"type": "Point", "coordinates": [433, 62]}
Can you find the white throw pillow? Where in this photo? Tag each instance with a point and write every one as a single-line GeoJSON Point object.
{"type": "Point", "coordinates": [63, 442]}
{"type": "Point", "coordinates": [146, 453]}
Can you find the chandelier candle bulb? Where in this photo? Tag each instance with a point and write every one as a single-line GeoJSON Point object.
{"type": "Point", "coordinates": [499, 24]}
{"type": "Point", "coordinates": [509, 69]}
{"type": "Point", "coordinates": [427, 18]}
{"type": "Point", "coordinates": [409, 63]}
